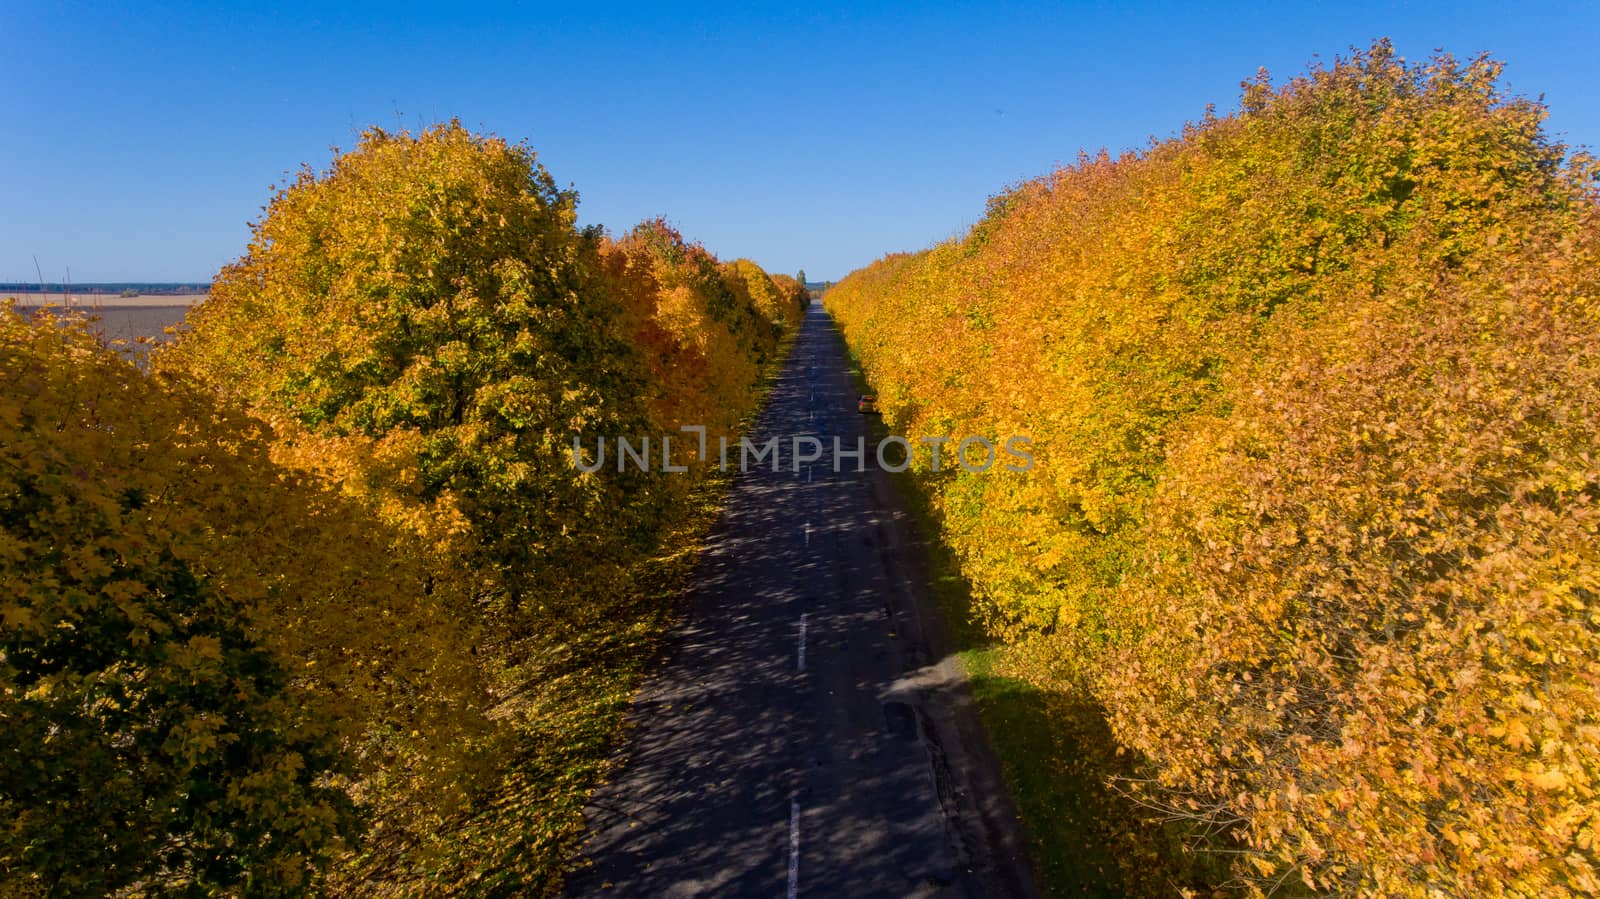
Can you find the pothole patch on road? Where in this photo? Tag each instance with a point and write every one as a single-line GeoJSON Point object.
{"type": "Point", "coordinates": [900, 720]}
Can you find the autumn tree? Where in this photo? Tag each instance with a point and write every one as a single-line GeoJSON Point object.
{"type": "Point", "coordinates": [1304, 466]}
{"type": "Point", "coordinates": [422, 322]}
{"type": "Point", "coordinates": [200, 653]}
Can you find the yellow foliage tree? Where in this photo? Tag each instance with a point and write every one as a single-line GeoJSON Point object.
{"type": "Point", "coordinates": [1308, 396]}
{"type": "Point", "coordinates": [210, 669]}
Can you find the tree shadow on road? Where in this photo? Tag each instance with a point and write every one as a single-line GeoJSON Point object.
{"type": "Point", "coordinates": [1087, 835]}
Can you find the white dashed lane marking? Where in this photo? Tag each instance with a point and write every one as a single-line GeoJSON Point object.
{"type": "Point", "coordinates": [794, 848]}
{"type": "Point", "coordinates": [800, 659]}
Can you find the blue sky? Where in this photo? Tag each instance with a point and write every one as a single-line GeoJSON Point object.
{"type": "Point", "coordinates": [140, 140]}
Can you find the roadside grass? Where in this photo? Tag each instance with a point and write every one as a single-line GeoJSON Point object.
{"type": "Point", "coordinates": [565, 691]}
{"type": "Point", "coordinates": [571, 714]}
{"type": "Point", "coordinates": [1086, 837]}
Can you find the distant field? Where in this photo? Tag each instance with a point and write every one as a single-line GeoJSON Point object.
{"type": "Point", "coordinates": [130, 318]}
{"type": "Point", "coordinates": [132, 322]}
{"type": "Point", "coordinates": [106, 300]}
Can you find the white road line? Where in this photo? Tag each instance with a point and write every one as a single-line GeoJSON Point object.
{"type": "Point", "coordinates": [808, 474]}
{"type": "Point", "coordinates": [808, 533]}
{"type": "Point", "coordinates": [800, 661]}
{"type": "Point", "coordinates": [794, 848]}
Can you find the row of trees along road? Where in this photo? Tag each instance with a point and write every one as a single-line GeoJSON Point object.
{"type": "Point", "coordinates": [320, 602]}
{"type": "Point", "coordinates": [1313, 540]}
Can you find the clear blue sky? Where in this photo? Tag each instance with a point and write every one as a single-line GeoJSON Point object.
{"type": "Point", "coordinates": [138, 142]}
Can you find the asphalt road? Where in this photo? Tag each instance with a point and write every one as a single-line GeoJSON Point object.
{"type": "Point", "coordinates": [807, 731]}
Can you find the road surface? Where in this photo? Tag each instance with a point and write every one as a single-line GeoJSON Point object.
{"type": "Point", "coordinates": [807, 732]}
